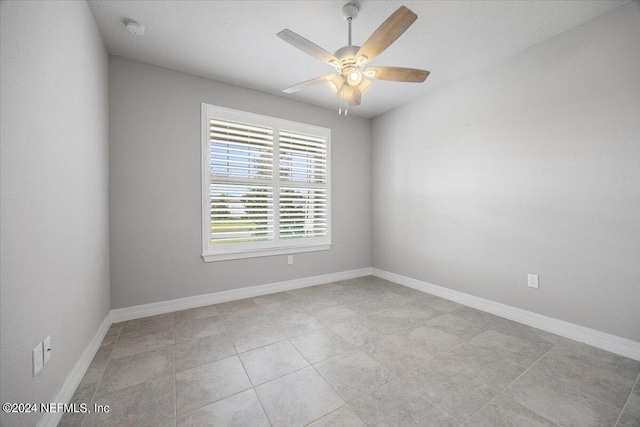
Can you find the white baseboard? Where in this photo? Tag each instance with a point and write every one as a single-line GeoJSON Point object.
{"type": "Point", "coordinates": [615, 344]}
{"type": "Point", "coordinates": [605, 341]}
{"type": "Point", "coordinates": [51, 419]}
{"type": "Point", "coordinates": [138, 311]}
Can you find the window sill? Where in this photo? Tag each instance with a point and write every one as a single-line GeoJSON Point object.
{"type": "Point", "coordinates": [225, 256]}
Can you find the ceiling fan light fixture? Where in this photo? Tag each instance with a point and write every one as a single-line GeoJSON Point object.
{"type": "Point", "coordinates": [352, 79]}
{"type": "Point", "coordinates": [337, 65]}
{"type": "Point", "coordinates": [346, 92]}
{"type": "Point", "coordinates": [335, 83]}
{"type": "Point", "coordinates": [354, 76]}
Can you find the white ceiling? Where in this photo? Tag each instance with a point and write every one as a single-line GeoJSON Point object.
{"type": "Point", "coordinates": [235, 41]}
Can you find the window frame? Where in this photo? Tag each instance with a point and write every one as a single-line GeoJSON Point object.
{"type": "Point", "coordinates": [277, 246]}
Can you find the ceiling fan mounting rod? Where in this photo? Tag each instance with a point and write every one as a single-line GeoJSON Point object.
{"type": "Point", "coordinates": [350, 12]}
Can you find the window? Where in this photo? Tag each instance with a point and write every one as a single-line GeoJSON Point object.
{"type": "Point", "coordinates": [266, 185]}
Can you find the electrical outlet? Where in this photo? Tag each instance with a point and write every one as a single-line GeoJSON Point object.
{"type": "Point", "coordinates": [47, 349]}
{"type": "Point", "coordinates": [533, 281]}
{"type": "Point", "coordinates": [38, 358]}
{"type": "Point", "coordinates": [290, 259]}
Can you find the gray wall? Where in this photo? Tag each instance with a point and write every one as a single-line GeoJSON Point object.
{"type": "Point", "coordinates": [54, 172]}
{"type": "Point", "coordinates": [155, 196]}
{"type": "Point", "coordinates": [531, 166]}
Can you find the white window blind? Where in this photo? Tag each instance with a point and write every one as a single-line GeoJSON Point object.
{"type": "Point", "coordinates": [265, 185]}
{"type": "Point", "coordinates": [240, 157]}
{"type": "Point", "coordinates": [303, 201]}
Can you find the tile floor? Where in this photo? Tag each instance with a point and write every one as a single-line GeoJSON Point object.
{"type": "Point", "coordinates": [359, 352]}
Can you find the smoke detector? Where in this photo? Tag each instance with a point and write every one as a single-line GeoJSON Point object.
{"type": "Point", "coordinates": [135, 27]}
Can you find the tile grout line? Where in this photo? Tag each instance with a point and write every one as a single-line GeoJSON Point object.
{"type": "Point", "coordinates": [224, 333]}
{"type": "Point", "coordinates": [408, 372]}
{"type": "Point", "coordinates": [577, 388]}
{"type": "Point", "coordinates": [352, 410]}
{"type": "Point", "coordinates": [310, 364]}
{"type": "Point", "coordinates": [635, 383]}
{"type": "Point", "coordinates": [253, 388]}
{"type": "Point", "coordinates": [299, 352]}
{"type": "Point", "coordinates": [174, 321]}
{"type": "Point", "coordinates": [329, 327]}
{"type": "Point", "coordinates": [266, 414]}
{"type": "Point", "coordinates": [173, 332]}
{"type": "Point", "coordinates": [480, 408]}
{"type": "Point", "coordinates": [237, 354]}
{"type": "Point", "coordinates": [362, 317]}
{"type": "Point", "coordinates": [281, 376]}
{"type": "Point", "coordinates": [480, 382]}
{"type": "Point", "coordinates": [325, 380]}
{"type": "Point", "coordinates": [346, 404]}
{"type": "Point", "coordinates": [334, 390]}
{"type": "Point", "coordinates": [93, 395]}
{"type": "Point", "coordinates": [405, 374]}
{"type": "Point", "coordinates": [570, 386]}
{"type": "Point", "coordinates": [397, 377]}
{"type": "Point", "coordinates": [422, 365]}
{"type": "Point", "coordinates": [175, 386]}
{"type": "Point", "coordinates": [175, 374]}
{"type": "Point", "coordinates": [516, 379]}
{"type": "Point", "coordinates": [214, 401]}
{"type": "Point", "coordinates": [439, 356]}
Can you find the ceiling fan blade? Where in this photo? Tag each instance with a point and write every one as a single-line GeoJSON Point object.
{"type": "Point", "coordinates": [308, 83]}
{"type": "Point", "coordinates": [386, 34]}
{"type": "Point", "coordinates": [308, 47]}
{"type": "Point", "coordinates": [365, 85]}
{"type": "Point", "coordinates": [356, 98]}
{"type": "Point", "coordinates": [397, 74]}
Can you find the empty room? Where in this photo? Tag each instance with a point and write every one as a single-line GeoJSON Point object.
{"type": "Point", "coordinates": [320, 213]}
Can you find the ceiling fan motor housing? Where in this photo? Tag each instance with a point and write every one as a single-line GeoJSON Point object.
{"type": "Point", "coordinates": [347, 54]}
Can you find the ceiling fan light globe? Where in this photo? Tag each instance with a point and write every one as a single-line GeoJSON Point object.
{"type": "Point", "coordinates": [334, 83]}
{"type": "Point", "coordinates": [346, 92]}
{"type": "Point", "coordinates": [354, 76]}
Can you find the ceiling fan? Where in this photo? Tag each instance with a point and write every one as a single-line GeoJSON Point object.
{"type": "Point", "coordinates": [352, 79]}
